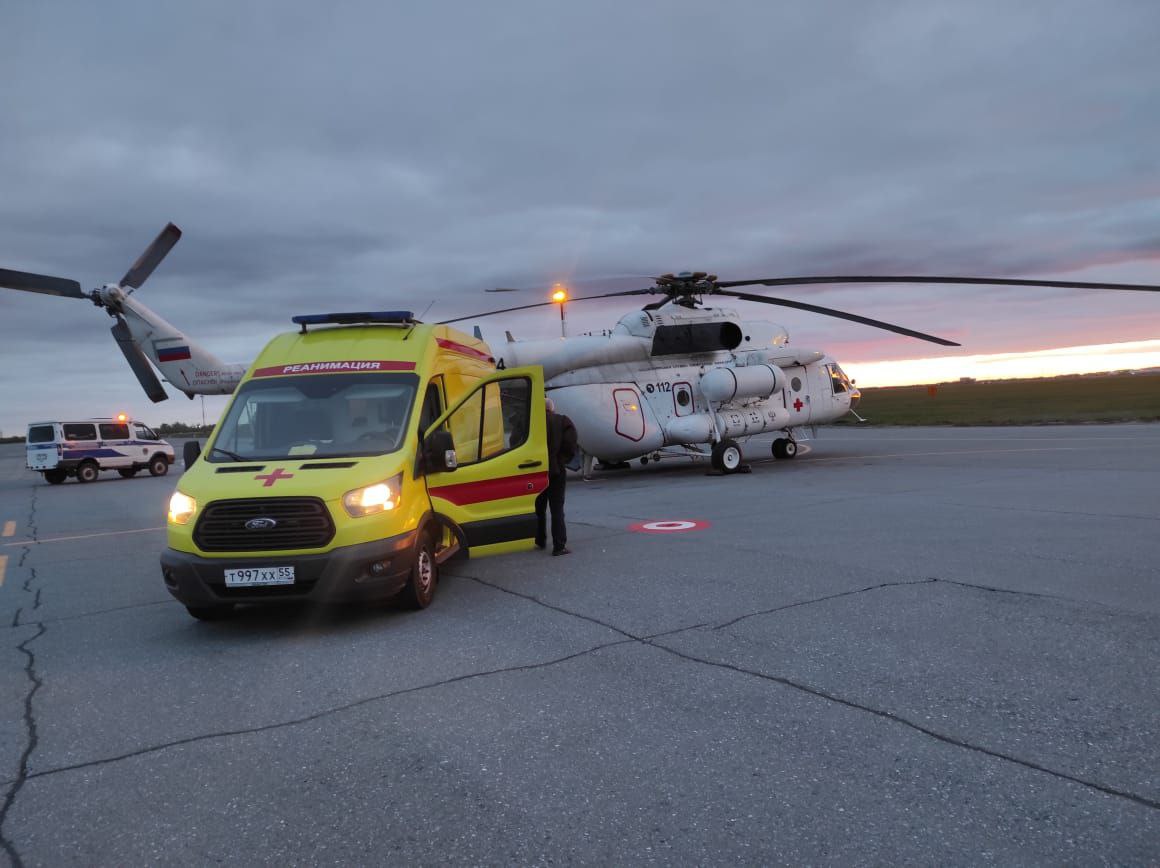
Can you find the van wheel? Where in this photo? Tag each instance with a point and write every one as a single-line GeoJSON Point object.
{"type": "Point", "coordinates": [88, 472]}
{"type": "Point", "coordinates": [158, 465]}
{"type": "Point", "coordinates": [128, 472]}
{"type": "Point", "coordinates": [420, 588]}
{"type": "Point", "coordinates": [55, 477]}
{"type": "Point", "coordinates": [211, 613]}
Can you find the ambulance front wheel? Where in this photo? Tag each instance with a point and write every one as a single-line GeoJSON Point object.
{"type": "Point", "coordinates": [55, 477]}
{"type": "Point", "coordinates": [420, 588]}
{"type": "Point", "coordinates": [158, 465]}
{"type": "Point", "coordinates": [88, 472]}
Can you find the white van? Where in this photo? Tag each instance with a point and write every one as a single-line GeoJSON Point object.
{"type": "Point", "coordinates": [83, 449]}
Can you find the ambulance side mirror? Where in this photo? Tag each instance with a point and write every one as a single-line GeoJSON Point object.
{"type": "Point", "coordinates": [439, 452]}
{"type": "Point", "coordinates": [190, 452]}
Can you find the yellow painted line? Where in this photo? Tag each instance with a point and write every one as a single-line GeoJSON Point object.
{"type": "Point", "coordinates": [3, 568]}
{"type": "Point", "coordinates": [9, 529]}
{"type": "Point", "coordinates": [36, 542]}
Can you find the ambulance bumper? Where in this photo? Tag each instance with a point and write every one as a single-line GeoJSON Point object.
{"type": "Point", "coordinates": [374, 570]}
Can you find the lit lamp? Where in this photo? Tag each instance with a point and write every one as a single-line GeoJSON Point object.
{"type": "Point", "coordinates": [560, 296]}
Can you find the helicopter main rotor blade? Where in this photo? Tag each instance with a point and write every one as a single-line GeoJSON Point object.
{"type": "Point", "coordinates": [548, 304]}
{"type": "Point", "coordinates": [27, 282]}
{"type": "Point", "coordinates": [151, 258]}
{"type": "Point", "coordinates": [841, 314]}
{"type": "Point", "coordinates": [910, 278]}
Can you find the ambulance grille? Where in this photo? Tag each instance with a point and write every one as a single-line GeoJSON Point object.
{"type": "Point", "coordinates": [299, 523]}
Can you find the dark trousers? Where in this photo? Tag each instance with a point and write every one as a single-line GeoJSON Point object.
{"type": "Point", "coordinates": [552, 496]}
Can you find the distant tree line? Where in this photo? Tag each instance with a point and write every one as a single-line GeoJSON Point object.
{"type": "Point", "coordinates": [182, 429]}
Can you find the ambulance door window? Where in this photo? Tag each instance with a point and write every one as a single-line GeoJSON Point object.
{"type": "Point", "coordinates": [466, 426]}
{"type": "Point", "coordinates": [492, 421]}
{"type": "Point", "coordinates": [513, 405]}
{"type": "Point", "coordinates": [144, 433]}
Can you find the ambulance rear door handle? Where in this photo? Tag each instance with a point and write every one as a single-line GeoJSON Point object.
{"type": "Point", "coordinates": [528, 464]}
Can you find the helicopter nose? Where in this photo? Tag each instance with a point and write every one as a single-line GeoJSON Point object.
{"type": "Point", "coordinates": [855, 397]}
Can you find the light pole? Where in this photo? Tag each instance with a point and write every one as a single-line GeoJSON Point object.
{"type": "Point", "coordinates": [560, 296]}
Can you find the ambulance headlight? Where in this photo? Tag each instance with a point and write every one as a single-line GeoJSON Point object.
{"type": "Point", "coordinates": [380, 497]}
{"type": "Point", "coordinates": [181, 508]}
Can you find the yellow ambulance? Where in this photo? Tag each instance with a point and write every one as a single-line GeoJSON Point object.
{"type": "Point", "coordinates": [357, 455]}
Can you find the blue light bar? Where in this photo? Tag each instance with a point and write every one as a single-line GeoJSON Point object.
{"type": "Point", "coordinates": [393, 317]}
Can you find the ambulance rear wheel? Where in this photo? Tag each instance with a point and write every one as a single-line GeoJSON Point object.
{"type": "Point", "coordinates": [128, 472]}
{"type": "Point", "coordinates": [55, 477]}
{"type": "Point", "coordinates": [88, 472]}
{"type": "Point", "coordinates": [158, 465]}
{"type": "Point", "coordinates": [211, 613]}
{"type": "Point", "coordinates": [420, 588]}
{"type": "Point", "coordinates": [726, 456]}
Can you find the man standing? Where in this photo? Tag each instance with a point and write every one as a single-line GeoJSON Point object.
{"type": "Point", "coordinates": [561, 448]}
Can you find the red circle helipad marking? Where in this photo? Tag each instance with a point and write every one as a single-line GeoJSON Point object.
{"type": "Point", "coordinates": [681, 525]}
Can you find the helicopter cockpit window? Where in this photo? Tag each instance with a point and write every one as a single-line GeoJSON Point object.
{"type": "Point", "coordinates": [316, 415]}
{"type": "Point", "coordinates": [837, 379]}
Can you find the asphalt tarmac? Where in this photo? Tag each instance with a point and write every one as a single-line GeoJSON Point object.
{"type": "Point", "coordinates": [908, 646]}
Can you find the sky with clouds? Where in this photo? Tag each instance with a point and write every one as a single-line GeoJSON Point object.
{"type": "Point", "coordinates": [360, 155]}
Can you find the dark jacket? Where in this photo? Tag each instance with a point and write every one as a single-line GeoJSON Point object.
{"type": "Point", "coordinates": [561, 443]}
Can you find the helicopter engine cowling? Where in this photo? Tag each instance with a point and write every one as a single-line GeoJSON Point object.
{"type": "Point", "coordinates": [722, 385]}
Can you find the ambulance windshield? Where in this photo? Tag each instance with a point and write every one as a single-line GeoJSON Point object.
{"type": "Point", "coordinates": [316, 416]}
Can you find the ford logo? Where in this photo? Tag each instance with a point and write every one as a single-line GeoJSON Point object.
{"type": "Point", "coordinates": [261, 524]}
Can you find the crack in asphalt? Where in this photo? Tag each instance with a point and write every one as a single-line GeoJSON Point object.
{"type": "Point", "coordinates": [834, 698]}
{"type": "Point", "coordinates": [32, 737]}
{"type": "Point", "coordinates": [740, 618]}
{"type": "Point", "coordinates": [326, 712]}
{"type": "Point", "coordinates": [917, 727]}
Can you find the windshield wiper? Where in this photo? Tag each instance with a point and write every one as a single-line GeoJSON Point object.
{"type": "Point", "coordinates": [228, 454]}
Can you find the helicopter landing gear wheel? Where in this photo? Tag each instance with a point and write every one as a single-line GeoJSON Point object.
{"type": "Point", "coordinates": [726, 456]}
{"type": "Point", "coordinates": [784, 448]}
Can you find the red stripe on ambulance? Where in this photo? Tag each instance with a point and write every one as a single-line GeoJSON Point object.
{"type": "Point", "coordinates": [467, 493]}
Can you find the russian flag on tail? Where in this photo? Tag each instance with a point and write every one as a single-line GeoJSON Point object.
{"type": "Point", "coordinates": [172, 354]}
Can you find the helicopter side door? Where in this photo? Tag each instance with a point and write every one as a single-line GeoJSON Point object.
{"type": "Point", "coordinates": [797, 397]}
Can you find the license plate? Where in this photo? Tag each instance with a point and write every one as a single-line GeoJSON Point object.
{"type": "Point", "coordinates": [250, 576]}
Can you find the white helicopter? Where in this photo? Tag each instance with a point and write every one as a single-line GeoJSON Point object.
{"type": "Point", "coordinates": [675, 378]}
{"type": "Point", "coordinates": [682, 378]}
